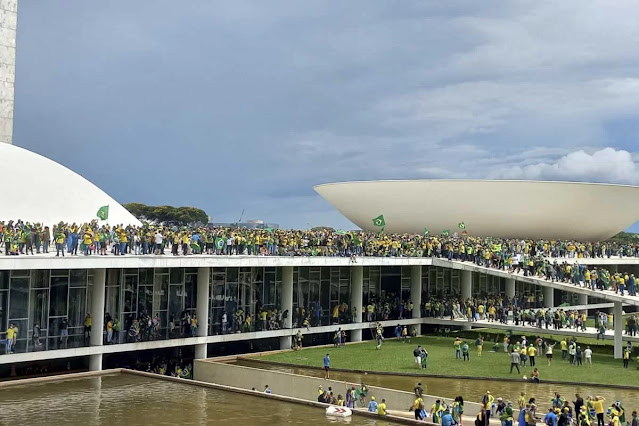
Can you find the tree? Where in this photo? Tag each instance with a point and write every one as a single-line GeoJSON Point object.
{"type": "Point", "coordinates": [168, 215]}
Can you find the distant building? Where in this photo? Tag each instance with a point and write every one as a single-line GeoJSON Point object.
{"type": "Point", "coordinates": [251, 224]}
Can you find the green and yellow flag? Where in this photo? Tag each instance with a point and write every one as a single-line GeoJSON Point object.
{"type": "Point", "coordinates": [461, 225]}
{"type": "Point", "coordinates": [219, 243]}
{"type": "Point", "coordinates": [426, 232]}
{"type": "Point", "coordinates": [103, 213]}
{"type": "Point", "coordinates": [445, 232]}
{"type": "Point", "coordinates": [379, 221]}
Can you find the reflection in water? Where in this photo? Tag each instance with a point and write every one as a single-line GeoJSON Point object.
{"type": "Point", "coordinates": [134, 400]}
{"type": "Point", "coordinates": [471, 390]}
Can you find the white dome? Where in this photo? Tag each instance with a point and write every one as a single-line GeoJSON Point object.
{"type": "Point", "coordinates": [41, 190]}
{"type": "Point", "coordinates": [525, 209]}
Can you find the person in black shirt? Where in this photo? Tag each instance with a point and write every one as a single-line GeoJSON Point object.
{"type": "Point", "coordinates": [579, 402]}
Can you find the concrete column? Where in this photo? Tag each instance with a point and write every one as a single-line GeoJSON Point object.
{"type": "Point", "coordinates": [287, 295]}
{"type": "Point", "coordinates": [549, 297]}
{"type": "Point", "coordinates": [95, 361]}
{"type": "Point", "coordinates": [466, 284]}
{"type": "Point", "coordinates": [357, 296]}
{"type": "Point", "coordinates": [416, 290]}
{"type": "Point", "coordinates": [286, 342]}
{"type": "Point", "coordinates": [510, 287]}
{"type": "Point", "coordinates": [617, 317]}
{"type": "Point", "coordinates": [202, 309]}
{"type": "Point", "coordinates": [582, 299]}
{"type": "Point", "coordinates": [466, 290]}
{"type": "Point", "coordinates": [97, 316]}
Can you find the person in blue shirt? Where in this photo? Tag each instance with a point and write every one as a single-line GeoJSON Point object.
{"type": "Point", "coordinates": [551, 418]}
{"type": "Point", "coordinates": [327, 366]}
{"type": "Point", "coordinates": [447, 417]}
{"type": "Point", "coordinates": [372, 406]}
{"type": "Point", "coordinates": [398, 331]}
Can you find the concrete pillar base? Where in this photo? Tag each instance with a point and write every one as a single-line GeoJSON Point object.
{"type": "Point", "coordinates": [200, 351]}
{"type": "Point", "coordinates": [95, 362]}
{"type": "Point", "coordinates": [466, 327]}
{"type": "Point", "coordinates": [356, 335]}
{"type": "Point", "coordinates": [285, 342]}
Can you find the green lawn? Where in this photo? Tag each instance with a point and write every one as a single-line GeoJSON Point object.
{"type": "Point", "coordinates": [398, 357]}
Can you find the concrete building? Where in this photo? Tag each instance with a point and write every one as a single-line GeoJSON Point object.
{"type": "Point", "coordinates": [509, 209]}
{"type": "Point", "coordinates": [37, 293]}
{"type": "Point", "coordinates": [8, 25]}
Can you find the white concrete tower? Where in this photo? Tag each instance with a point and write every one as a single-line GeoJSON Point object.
{"type": "Point", "coordinates": [8, 25]}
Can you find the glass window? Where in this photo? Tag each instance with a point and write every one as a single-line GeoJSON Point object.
{"type": "Point", "coordinates": [112, 304]}
{"type": "Point", "coordinates": [60, 272]}
{"type": "Point", "coordinates": [38, 309]}
{"type": "Point", "coordinates": [190, 291]}
{"type": "Point", "coordinates": [161, 292]}
{"type": "Point", "coordinates": [77, 306]}
{"type": "Point", "coordinates": [130, 290]}
{"type": "Point", "coordinates": [40, 278]}
{"type": "Point", "coordinates": [177, 275]}
{"type": "Point", "coordinates": [4, 314]}
{"type": "Point", "coordinates": [58, 298]}
{"type": "Point", "coordinates": [145, 299]}
{"type": "Point", "coordinates": [175, 301]}
{"type": "Point", "coordinates": [146, 276]}
{"type": "Point", "coordinates": [78, 278]}
{"type": "Point", "coordinates": [4, 280]}
{"type": "Point", "coordinates": [232, 275]}
{"type": "Point", "coordinates": [19, 298]}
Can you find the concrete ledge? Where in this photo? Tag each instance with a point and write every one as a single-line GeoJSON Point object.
{"type": "Point", "coordinates": [282, 398]}
{"type": "Point", "coordinates": [439, 376]}
{"type": "Point", "coordinates": [305, 387]}
{"type": "Point", "coordinates": [59, 378]}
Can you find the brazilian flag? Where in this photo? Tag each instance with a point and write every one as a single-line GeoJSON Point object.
{"type": "Point", "coordinates": [426, 232]}
{"type": "Point", "coordinates": [219, 243]}
{"type": "Point", "coordinates": [356, 240]}
{"type": "Point", "coordinates": [461, 225]}
{"type": "Point", "coordinates": [379, 221]}
{"type": "Point", "coordinates": [103, 213]}
{"type": "Point", "coordinates": [445, 233]}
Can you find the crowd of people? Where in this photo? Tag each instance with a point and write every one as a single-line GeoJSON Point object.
{"type": "Point", "coordinates": [19, 237]}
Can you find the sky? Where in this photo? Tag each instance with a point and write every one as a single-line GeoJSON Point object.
{"type": "Point", "coordinates": [245, 105]}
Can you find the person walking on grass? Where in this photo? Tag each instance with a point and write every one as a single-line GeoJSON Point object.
{"type": "Point", "coordinates": [514, 361]}
{"type": "Point", "coordinates": [327, 366]}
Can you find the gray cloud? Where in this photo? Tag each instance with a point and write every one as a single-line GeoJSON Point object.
{"type": "Point", "coordinates": [247, 105]}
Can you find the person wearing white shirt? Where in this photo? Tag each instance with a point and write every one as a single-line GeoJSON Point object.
{"type": "Point", "coordinates": [588, 355]}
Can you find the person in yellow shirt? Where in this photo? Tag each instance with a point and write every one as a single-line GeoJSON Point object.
{"type": "Point", "coordinates": [521, 401]}
{"type": "Point", "coordinates": [564, 348]}
{"type": "Point", "coordinates": [381, 408]}
{"type": "Point", "coordinates": [598, 405]}
{"type": "Point", "coordinates": [532, 351]}
{"type": "Point", "coordinates": [626, 357]}
{"type": "Point", "coordinates": [11, 335]}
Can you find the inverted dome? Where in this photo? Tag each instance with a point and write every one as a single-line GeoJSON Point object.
{"type": "Point", "coordinates": [523, 209]}
{"type": "Point", "coordinates": [41, 190]}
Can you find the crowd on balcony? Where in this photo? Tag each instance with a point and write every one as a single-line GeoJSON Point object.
{"type": "Point", "coordinates": [20, 237]}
